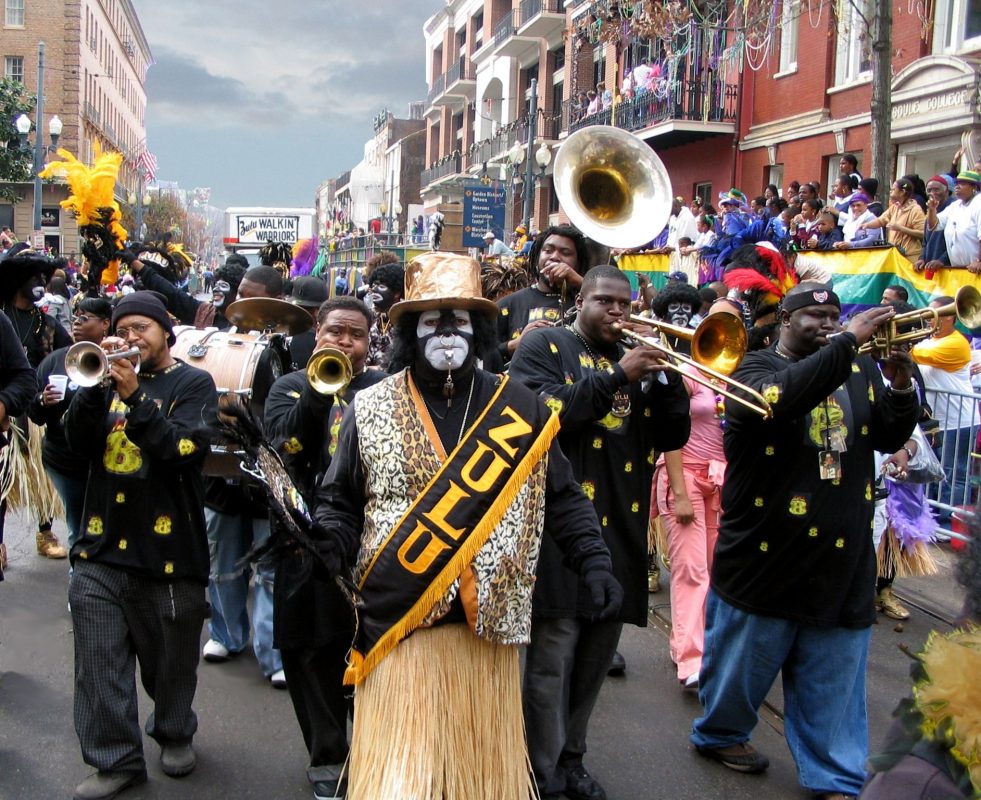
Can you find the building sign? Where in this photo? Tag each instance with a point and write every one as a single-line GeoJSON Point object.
{"type": "Point", "coordinates": [259, 230]}
{"type": "Point", "coordinates": [483, 210]}
{"type": "Point", "coordinates": [934, 95]}
{"type": "Point", "coordinates": [50, 216]}
{"type": "Point", "coordinates": [933, 104]}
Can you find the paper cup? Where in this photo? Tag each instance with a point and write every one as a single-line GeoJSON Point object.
{"type": "Point", "coordinates": [60, 383]}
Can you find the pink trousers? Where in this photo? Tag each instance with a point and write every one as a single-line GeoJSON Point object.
{"type": "Point", "coordinates": [690, 549]}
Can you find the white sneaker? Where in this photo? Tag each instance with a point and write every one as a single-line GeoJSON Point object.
{"type": "Point", "coordinates": [278, 679]}
{"type": "Point", "coordinates": [215, 652]}
{"type": "Point", "coordinates": [691, 683]}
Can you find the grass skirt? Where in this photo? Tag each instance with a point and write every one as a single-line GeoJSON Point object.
{"type": "Point", "coordinates": [440, 719]}
{"type": "Point", "coordinates": [24, 483]}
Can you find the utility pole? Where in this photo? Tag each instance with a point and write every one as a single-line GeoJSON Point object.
{"type": "Point", "coordinates": [881, 117]}
{"type": "Point", "coordinates": [40, 148]}
{"type": "Point", "coordinates": [530, 157]}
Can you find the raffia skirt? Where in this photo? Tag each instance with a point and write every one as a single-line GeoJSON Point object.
{"type": "Point", "coordinates": [440, 719]}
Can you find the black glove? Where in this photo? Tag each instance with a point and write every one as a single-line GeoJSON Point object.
{"type": "Point", "coordinates": [126, 256]}
{"type": "Point", "coordinates": [605, 591]}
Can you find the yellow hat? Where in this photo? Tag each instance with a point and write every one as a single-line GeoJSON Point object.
{"type": "Point", "coordinates": [442, 280]}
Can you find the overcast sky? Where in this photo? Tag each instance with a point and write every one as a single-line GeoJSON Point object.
{"type": "Point", "coordinates": [263, 100]}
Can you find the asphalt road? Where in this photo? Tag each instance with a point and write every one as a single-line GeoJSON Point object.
{"type": "Point", "coordinates": [249, 746]}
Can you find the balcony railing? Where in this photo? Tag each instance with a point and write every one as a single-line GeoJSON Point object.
{"type": "Point", "coordinates": [693, 101]}
{"type": "Point", "coordinates": [462, 70]}
{"type": "Point", "coordinates": [505, 27]}
{"type": "Point", "coordinates": [437, 89]}
{"type": "Point", "coordinates": [547, 127]}
{"type": "Point", "coordinates": [532, 8]}
{"type": "Point", "coordinates": [91, 113]}
{"type": "Point", "coordinates": [448, 165]}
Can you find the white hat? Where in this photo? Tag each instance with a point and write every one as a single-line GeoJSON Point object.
{"type": "Point", "coordinates": [489, 235]}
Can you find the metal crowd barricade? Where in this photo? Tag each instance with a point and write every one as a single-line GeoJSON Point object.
{"type": "Point", "coordinates": [956, 446]}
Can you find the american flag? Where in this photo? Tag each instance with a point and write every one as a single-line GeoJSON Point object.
{"type": "Point", "coordinates": [148, 161]}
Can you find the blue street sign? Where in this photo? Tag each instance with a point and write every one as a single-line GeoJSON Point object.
{"type": "Point", "coordinates": [483, 210]}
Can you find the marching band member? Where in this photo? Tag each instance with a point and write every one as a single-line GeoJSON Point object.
{"type": "Point", "coordinates": [443, 479]}
{"type": "Point", "coordinates": [312, 621]}
{"type": "Point", "coordinates": [614, 416]}
{"type": "Point", "coordinates": [141, 561]}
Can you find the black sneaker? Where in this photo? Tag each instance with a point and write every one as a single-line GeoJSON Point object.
{"type": "Point", "coordinates": [742, 757]}
{"type": "Point", "coordinates": [580, 785]}
{"type": "Point", "coordinates": [330, 790]}
{"type": "Point", "coordinates": [618, 666]}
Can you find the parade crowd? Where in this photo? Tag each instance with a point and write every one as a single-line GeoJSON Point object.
{"type": "Point", "coordinates": [490, 476]}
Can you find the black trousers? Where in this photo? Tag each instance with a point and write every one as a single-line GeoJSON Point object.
{"type": "Point", "coordinates": [314, 677]}
{"type": "Point", "coordinates": [119, 619]}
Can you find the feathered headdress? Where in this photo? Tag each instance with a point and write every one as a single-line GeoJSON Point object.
{"type": "Point", "coordinates": [93, 204]}
{"type": "Point", "coordinates": [171, 260]}
{"type": "Point", "coordinates": [305, 254]}
{"type": "Point", "coordinates": [762, 275]}
{"type": "Point", "coordinates": [278, 255]}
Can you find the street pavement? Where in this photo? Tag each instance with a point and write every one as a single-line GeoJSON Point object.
{"type": "Point", "coordinates": [249, 745]}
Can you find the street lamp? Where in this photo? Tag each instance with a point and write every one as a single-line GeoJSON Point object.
{"type": "Point", "coordinates": [142, 200]}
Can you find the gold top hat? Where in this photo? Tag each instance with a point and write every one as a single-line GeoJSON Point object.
{"type": "Point", "coordinates": [442, 280]}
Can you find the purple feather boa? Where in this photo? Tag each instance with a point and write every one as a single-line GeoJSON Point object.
{"type": "Point", "coordinates": [910, 515]}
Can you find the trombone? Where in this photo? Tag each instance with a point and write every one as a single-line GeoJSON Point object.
{"type": "Point", "coordinates": [329, 371]}
{"type": "Point", "coordinates": [717, 346]}
{"type": "Point", "coordinates": [87, 364]}
{"type": "Point", "coordinates": [966, 307]}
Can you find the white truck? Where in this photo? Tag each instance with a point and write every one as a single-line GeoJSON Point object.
{"type": "Point", "coordinates": [249, 228]}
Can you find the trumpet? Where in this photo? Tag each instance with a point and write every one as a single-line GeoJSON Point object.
{"type": "Point", "coordinates": [718, 345]}
{"type": "Point", "coordinates": [329, 371]}
{"type": "Point", "coordinates": [966, 307]}
{"type": "Point", "coordinates": [87, 364]}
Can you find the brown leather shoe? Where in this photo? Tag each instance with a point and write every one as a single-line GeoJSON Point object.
{"type": "Point", "coordinates": [49, 546]}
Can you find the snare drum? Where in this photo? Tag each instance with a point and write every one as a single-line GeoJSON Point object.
{"type": "Point", "coordinates": [236, 364]}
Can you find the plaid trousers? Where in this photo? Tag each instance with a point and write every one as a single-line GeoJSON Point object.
{"type": "Point", "coordinates": [119, 619]}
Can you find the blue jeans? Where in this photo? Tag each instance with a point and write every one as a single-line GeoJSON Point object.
{"type": "Point", "coordinates": [71, 490]}
{"type": "Point", "coordinates": [955, 457]}
{"type": "Point", "coordinates": [825, 717]}
{"type": "Point", "coordinates": [230, 537]}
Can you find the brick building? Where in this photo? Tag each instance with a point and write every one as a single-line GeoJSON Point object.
{"type": "Point", "coordinates": [96, 59]}
{"type": "Point", "coordinates": [721, 111]}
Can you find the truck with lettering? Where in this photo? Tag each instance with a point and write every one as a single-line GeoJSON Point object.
{"type": "Point", "coordinates": [249, 228]}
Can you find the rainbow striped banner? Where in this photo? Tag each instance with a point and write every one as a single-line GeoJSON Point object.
{"type": "Point", "coordinates": [655, 266]}
{"type": "Point", "coordinates": [860, 276]}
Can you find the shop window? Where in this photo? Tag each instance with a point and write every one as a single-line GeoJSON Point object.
{"type": "Point", "coordinates": [14, 68]}
{"type": "Point", "coordinates": [853, 57]}
{"type": "Point", "coordinates": [789, 20]}
{"type": "Point", "coordinates": [958, 26]}
{"type": "Point", "coordinates": [14, 16]}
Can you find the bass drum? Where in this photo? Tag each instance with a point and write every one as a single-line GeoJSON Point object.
{"type": "Point", "coordinates": [239, 363]}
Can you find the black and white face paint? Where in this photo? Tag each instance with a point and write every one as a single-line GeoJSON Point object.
{"type": "Point", "coordinates": [442, 340]}
{"type": "Point", "coordinates": [220, 292]}
{"type": "Point", "coordinates": [680, 314]}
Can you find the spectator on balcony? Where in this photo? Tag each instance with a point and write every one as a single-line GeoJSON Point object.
{"type": "Point", "coordinates": [793, 192]}
{"type": "Point", "coordinates": [644, 73]}
{"type": "Point", "coordinates": [706, 236]}
{"type": "Point", "coordinates": [757, 206]}
{"type": "Point", "coordinates": [681, 223]}
{"type": "Point", "coordinates": [771, 192]}
{"type": "Point", "coordinates": [811, 191]}
{"type": "Point", "coordinates": [605, 96]}
{"type": "Point", "coordinates": [858, 214]}
{"type": "Point", "coordinates": [805, 224]}
{"type": "Point", "coordinates": [841, 197]}
{"type": "Point", "coordinates": [627, 86]}
{"type": "Point", "coordinates": [848, 165]}
{"type": "Point", "coordinates": [903, 220]}
{"type": "Point", "coordinates": [871, 187]}
{"type": "Point", "coordinates": [939, 188]}
{"type": "Point", "coordinates": [495, 247]}
{"type": "Point", "coordinates": [960, 222]}
{"type": "Point", "coordinates": [828, 233]}
{"type": "Point", "coordinates": [593, 105]}
{"type": "Point", "coordinates": [919, 190]}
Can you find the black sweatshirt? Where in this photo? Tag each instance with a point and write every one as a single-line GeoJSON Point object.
{"type": "Point", "coordinates": [18, 382]}
{"type": "Point", "coordinates": [144, 504]}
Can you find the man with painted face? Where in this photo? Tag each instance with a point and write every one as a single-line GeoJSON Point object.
{"type": "Point", "coordinates": [443, 480]}
{"type": "Point", "coordinates": [558, 259]}
{"type": "Point", "coordinates": [312, 621]}
{"type": "Point", "coordinates": [618, 409]}
{"type": "Point", "coordinates": [189, 310]}
{"type": "Point", "coordinates": [386, 287]}
{"type": "Point", "coordinates": [23, 276]}
{"type": "Point", "coordinates": [794, 566]}
{"type": "Point", "coordinates": [676, 304]}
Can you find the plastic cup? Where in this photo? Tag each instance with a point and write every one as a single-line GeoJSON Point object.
{"type": "Point", "coordinates": [60, 383]}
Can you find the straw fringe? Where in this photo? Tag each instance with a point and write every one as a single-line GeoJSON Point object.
{"type": "Point", "coordinates": [657, 541]}
{"type": "Point", "coordinates": [363, 663]}
{"type": "Point", "coordinates": [892, 559]}
{"type": "Point", "coordinates": [441, 719]}
{"type": "Point", "coordinates": [23, 480]}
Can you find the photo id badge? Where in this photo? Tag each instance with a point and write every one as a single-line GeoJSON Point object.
{"type": "Point", "coordinates": [830, 465]}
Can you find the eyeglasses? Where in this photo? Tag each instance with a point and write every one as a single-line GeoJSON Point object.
{"type": "Point", "coordinates": [139, 328]}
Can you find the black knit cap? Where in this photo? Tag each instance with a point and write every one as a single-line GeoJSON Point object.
{"type": "Point", "coordinates": [145, 304]}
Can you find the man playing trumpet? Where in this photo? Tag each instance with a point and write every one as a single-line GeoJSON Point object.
{"type": "Point", "coordinates": [141, 559]}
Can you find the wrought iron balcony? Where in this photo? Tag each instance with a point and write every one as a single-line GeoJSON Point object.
{"type": "Point", "coordinates": [436, 90]}
{"type": "Point", "coordinates": [505, 28]}
{"type": "Point", "coordinates": [541, 18]}
{"type": "Point", "coordinates": [547, 128]}
{"type": "Point", "coordinates": [462, 70]}
{"type": "Point", "coordinates": [446, 166]}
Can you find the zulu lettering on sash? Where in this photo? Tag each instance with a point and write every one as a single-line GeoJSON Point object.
{"type": "Point", "coordinates": [437, 538]}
